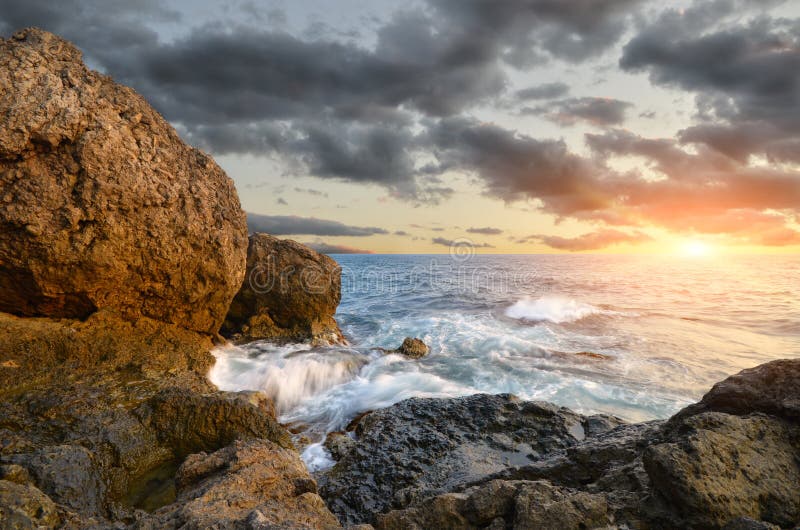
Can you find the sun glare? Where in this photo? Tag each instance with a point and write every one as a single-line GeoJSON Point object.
{"type": "Point", "coordinates": [696, 249]}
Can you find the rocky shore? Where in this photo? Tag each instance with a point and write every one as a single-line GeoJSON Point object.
{"type": "Point", "coordinates": [124, 253]}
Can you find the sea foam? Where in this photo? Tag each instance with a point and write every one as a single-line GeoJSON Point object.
{"type": "Point", "coordinates": [551, 308]}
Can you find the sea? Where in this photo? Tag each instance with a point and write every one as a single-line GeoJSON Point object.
{"type": "Point", "coordinates": [639, 337]}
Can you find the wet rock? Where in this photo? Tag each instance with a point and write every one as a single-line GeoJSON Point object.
{"type": "Point", "coordinates": [339, 444]}
{"type": "Point", "coordinates": [411, 348]}
{"type": "Point", "coordinates": [108, 208]}
{"type": "Point", "coordinates": [289, 294]}
{"type": "Point", "coordinates": [255, 484]}
{"type": "Point", "coordinates": [24, 506]}
{"type": "Point", "coordinates": [421, 447]}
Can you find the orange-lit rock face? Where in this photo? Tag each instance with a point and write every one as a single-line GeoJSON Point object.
{"type": "Point", "coordinates": [103, 206]}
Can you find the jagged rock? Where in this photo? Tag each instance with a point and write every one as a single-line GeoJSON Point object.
{"type": "Point", "coordinates": [289, 294]}
{"type": "Point", "coordinates": [190, 423]}
{"type": "Point", "coordinates": [24, 506]}
{"type": "Point", "coordinates": [420, 447]}
{"type": "Point", "coordinates": [255, 484]}
{"type": "Point", "coordinates": [68, 474]}
{"type": "Point", "coordinates": [772, 388]}
{"type": "Point", "coordinates": [504, 504]}
{"type": "Point", "coordinates": [717, 467]}
{"type": "Point", "coordinates": [103, 206]}
{"type": "Point", "coordinates": [413, 348]}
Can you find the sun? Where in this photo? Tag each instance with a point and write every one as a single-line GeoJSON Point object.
{"type": "Point", "coordinates": [696, 249]}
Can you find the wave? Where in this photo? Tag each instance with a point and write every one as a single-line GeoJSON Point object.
{"type": "Point", "coordinates": [288, 378]}
{"type": "Point", "coordinates": [551, 308]}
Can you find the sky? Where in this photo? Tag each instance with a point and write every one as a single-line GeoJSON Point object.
{"type": "Point", "coordinates": [514, 126]}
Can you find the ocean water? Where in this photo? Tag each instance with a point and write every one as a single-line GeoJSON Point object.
{"type": "Point", "coordinates": [663, 331]}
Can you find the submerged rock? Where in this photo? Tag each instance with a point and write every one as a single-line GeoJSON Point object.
{"type": "Point", "coordinates": [103, 205]}
{"type": "Point", "coordinates": [290, 294]}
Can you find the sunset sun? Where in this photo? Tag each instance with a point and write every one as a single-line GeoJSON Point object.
{"type": "Point", "coordinates": [696, 249]}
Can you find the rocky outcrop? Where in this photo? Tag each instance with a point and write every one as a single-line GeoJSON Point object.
{"type": "Point", "coordinates": [103, 206]}
{"type": "Point", "coordinates": [730, 461]}
{"type": "Point", "coordinates": [124, 438]}
{"type": "Point", "coordinates": [421, 447]}
{"type": "Point", "coordinates": [290, 294]}
{"type": "Point", "coordinates": [256, 485]}
{"type": "Point", "coordinates": [120, 251]}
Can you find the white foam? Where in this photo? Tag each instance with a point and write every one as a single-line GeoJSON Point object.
{"type": "Point", "coordinates": [288, 377]}
{"type": "Point", "coordinates": [551, 308]}
{"type": "Point", "coordinates": [317, 457]}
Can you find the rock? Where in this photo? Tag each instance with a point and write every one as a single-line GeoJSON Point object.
{"type": "Point", "coordinates": [190, 423]}
{"type": "Point", "coordinates": [23, 506]}
{"type": "Point", "coordinates": [44, 349]}
{"type": "Point", "coordinates": [104, 206]}
{"type": "Point", "coordinates": [772, 388]}
{"type": "Point", "coordinates": [718, 467]}
{"type": "Point", "coordinates": [339, 444]}
{"type": "Point", "coordinates": [746, 523]}
{"type": "Point", "coordinates": [68, 474]}
{"type": "Point", "coordinates": [420, 447]}
{"type": "Point", "coordinates": [290, 294]}
{"type": "Point", "coordinates": [504, 504]}
{"type": "Point", "coordinates": [255, 484]}
{"type": "Point", "coordinates": [411, 348]}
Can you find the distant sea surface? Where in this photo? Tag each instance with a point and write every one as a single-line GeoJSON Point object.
{"type": "Point", "coordinates": [638, 337]}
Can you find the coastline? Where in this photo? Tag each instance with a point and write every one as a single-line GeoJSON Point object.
{"type": "Point", "coordinates": [114, 293]}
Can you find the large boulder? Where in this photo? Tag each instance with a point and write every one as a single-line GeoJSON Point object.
{"type": "Point", "coordinates": [290, 294]}
{"type": "Point", "coordinates": [103, 205]}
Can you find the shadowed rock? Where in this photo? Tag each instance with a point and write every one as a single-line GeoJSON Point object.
{"type": "Point", "coordinates": [290, 294]}
{"type": "Point", "coordinates": [103, 205]}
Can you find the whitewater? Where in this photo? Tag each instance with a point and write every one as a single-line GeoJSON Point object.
{"type": "Point", "coordinates": [637, 337]}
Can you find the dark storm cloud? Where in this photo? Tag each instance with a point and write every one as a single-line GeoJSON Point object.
{"type": "Point", "coordinates": [487, 231]}
{"type": "Point", "coordinates": [526, 31]}
{"type": "Point", "coordinates": [328, 107]}
{"type": "Point", "coordinates": [746, 75]}
{"type": "Point", "coordinates": [513, 166]}
{"type": "Point", "coordinates": [591, 241]}
{"type": "Point", "coordinates": [284, 225]}
{"type": "Point", "coordinates": [601, 112]}
{"type": "Point", "coordinates": [545, 91]}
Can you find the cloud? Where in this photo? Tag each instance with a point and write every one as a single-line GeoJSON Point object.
{"type": "Point", "coordinates": [745, 74]}
{"type": "Point", "coordinates": [281, 225]}
{"type": "Point", "coordinates": [310, 191]}
{"type": "Point", "coordinates": [327, 248]}
{"type": "Point", "coordinates": [281, 201]}
{"type": "Point", "coordinates": [591, 241]}
{"type": "Point", "coordinates": [545, 91]}
{"type": "Point", "coordinates": [601, 112]}
{"type": "Point", "coordinates": [487, 231]}
{"type": "Point", "coordinates": [458, 242]}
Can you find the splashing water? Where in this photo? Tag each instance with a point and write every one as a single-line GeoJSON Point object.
{"type": "Point", "coordinates": [628, 336]}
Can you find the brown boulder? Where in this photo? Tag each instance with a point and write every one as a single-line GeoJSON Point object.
{"type": "Point", "coordinates": [289, 294]}
{"type": "Point", "coordinates": [103, 205]}
{"type": "Point", "coordinates": [254, 484]}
